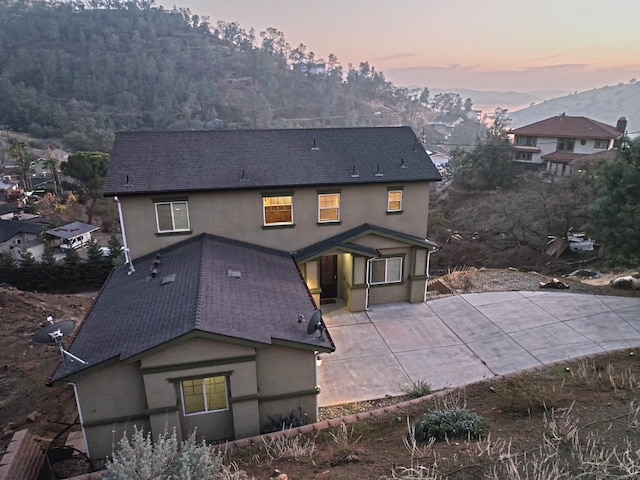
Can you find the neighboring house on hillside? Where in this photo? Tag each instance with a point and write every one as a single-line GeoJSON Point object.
{"type": "Point", "coordinates": [71, 235]}
{"type": "Point", "coordinates": [230, 236]}
{"type": "Point", "coordinates": [557, 141]}
{"type": "Point", "coordinates": [18, 238]}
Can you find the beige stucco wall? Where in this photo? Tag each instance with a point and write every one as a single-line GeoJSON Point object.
{"type": "Point", "coordinates": [112, 399]}
{"type": "Point", "coordinates": [262, 381]}
{"type": "Point", "coordinates": [288, 373]}
{"type": "Point", "coordinates": [239, 215]}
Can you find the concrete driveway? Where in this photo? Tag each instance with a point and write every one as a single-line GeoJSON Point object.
{"type": "Point", "coordinates": [462, 339]}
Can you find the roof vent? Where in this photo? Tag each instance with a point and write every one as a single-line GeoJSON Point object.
{"type": "Point", "coordinates": [402, 164]}
{"type": "Point", "coordinates": [315, 148]}
{"type": "Point", "coordinates": [245, 177]}
{"type": "Point", "coordinates": [153, 272]}
{"type": "Point", "coordinates": [168, 279]}
{"type": "Point", "coordinates": [127, 183]}
{"type": "Point", "coordinates": [233, 273]}
{"type": "Point", "coordinates": [379, 173]}
{"type": "Point", "coordinates": [354, 174]}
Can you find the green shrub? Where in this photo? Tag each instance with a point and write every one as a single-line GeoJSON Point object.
{"type": "Point", "coordinates": [444, 424]}
{"type": "Point", "coordinates": [139, 458]}
{"type": "Point", "coordinates": [417, 389]}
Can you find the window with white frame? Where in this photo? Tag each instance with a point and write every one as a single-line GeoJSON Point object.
{"type": "Point", "coordinates": [328, 207]}
{"type": "Point", "coordinates": [204, 395]}
{"type": "Point", "coordinates": [278, 210]}
{"type": "Point", "coordinates": [385, 270]}
{"type": "Point", "coordinates": [394, 201]}
{"type": "Point", "coordinates": [526, 140]}
{"type": "Point", "coordinates": [172, 216]}
{"type": "Point", "coordinates": [524, 156]}
{"type": "Point", "coordinates": [566, 144]}
{"type": "Point", "coordinates": [601, 143]}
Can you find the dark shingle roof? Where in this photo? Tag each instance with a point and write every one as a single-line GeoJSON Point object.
{"type": "Point", "coordinates": [71, 230]}
{"type": "Point", "coordinates": [566, 126]}
{"type": "Point", "coordinates": [145, 162]}
{"type": "Point", "coordinates": [135, 312]}
{"type": "Point", "coordinates": [345, 241]}
{"type": "Point", "coordinates": [11, 228]}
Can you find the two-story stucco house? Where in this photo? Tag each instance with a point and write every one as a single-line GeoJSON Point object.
{"type": "Point", "coordinates": [556, 142]}
{"type": "Point", "coordinates": [233, 240]}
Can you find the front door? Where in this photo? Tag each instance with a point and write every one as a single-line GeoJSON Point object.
{"type": "Point", "coordinates": [329, 276]}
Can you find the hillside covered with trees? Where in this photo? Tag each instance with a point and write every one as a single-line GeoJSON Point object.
{"type": "Point", "coordinates": [79, 71]}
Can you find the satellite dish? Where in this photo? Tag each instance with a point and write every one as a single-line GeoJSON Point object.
{"type": "Point", "coordinates": [54, 333]}
{"type": "Point", "coordinates": [51, 332]}
{"type": "Point", "coordinates": [315, 324]}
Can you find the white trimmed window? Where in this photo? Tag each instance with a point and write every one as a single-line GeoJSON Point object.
{"type": "Point", "coordinates": [394, 201]}
{"type": "Point", "coordinates": [601, 143]}
{"type": "Point", "coordinates": [566, 144]}
{"type": "Point", "coordinates": [204, 395]}
{"type": "Point", "coordinates": [278, 210]}
{"type": "Point", "coordinates": [524, 156]}
{"type": "Point", "coordinates": [385, 270]}
{"type": "Point", "coordinates": [172, 216]}
{"type": "Point", "coordinates": [328, 207]}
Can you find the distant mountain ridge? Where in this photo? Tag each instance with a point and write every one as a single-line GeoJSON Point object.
{"type": "Point", "coordinates": [501, 98]}
{"type": "Point", "coordinates": [606, 104]}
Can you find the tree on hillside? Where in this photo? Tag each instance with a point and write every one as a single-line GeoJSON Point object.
{"type": "Point", "coordinates": [616, 213]}
{"type": "Point", "coordinates": [490, 164]}
{"type": "Point", "coordinates": [90, 170]}
{"type": "Point", "coordinates": [18, 150]}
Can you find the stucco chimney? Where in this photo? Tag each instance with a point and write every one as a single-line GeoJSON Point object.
{"type": "Point", "coordinates": [621, 126]}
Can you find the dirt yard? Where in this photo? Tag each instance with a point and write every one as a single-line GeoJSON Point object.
{"type": "Point", "coordinates": [372, 448]}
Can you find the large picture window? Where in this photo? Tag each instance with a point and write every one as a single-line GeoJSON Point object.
{"type": "Point", "coordinates": [566, 144]}
{"type": "Point", "coordinates": [203, 395]}
{"type": "Point", "coordinates": [172, 216]}
{"type": "Point", "coordinates": [278, 210]}
{"type": "Point", "coordinates": [385, 270]}
{"type": "Point", "coordinates": [394, 201]}
{"type": "Point", "coordinates": [329, 207]}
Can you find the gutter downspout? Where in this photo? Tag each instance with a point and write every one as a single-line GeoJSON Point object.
{"type": "Point", "coordinates": [426, 272]}
{"type": "Point", "coordinates": [84, 434]}
{"type": "Point", "coordinates": [127, 256]}
{"type": "Point", "coordinates": [366, 299]}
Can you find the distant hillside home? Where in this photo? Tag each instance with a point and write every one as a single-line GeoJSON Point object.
{"type": "Point", "coordinates": [558, 141]}
{"type": "Point", "coordinates": [17, 238]}
{"type": "Point", "coordinates": [233, 240]}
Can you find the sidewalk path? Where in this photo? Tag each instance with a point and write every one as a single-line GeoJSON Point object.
{"type": "Point", "coordinates": [462, 339]}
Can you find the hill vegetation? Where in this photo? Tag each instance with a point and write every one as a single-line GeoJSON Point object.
{"type": "Point", "coordinates": [81, 70]}
{"type": "Point", "coordinates": [605, 104]}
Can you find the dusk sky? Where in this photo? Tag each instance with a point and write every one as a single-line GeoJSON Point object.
{"type": "Point", "coordinates": [515, 45]}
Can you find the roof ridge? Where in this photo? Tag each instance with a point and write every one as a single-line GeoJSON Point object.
{"type": "Point", "coordinates": [199, 308]}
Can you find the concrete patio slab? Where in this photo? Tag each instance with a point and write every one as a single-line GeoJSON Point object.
{"type": "Point", "coordinates": [357, 379]}
{"type": "Point", "coordinates": [444, 367]}
{"type": "Point", "coordinates": [360, 340]}
{"type": "Point", "coordinates": [517, 314]}
{"type": "Point", "coordinates": [461, 339]}
{"type": "Point", "coordinates": [555, 342]}
{"type": "Point", "coordinates": [415, 334]}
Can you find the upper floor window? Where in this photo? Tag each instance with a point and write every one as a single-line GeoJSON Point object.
{"type": "Point", "coordinates": [566, 144]}
{"type": "Point", "coordinates": [278, 210]}
{"type": "Point", "coordinates": [328, 207]}
{"type": "Point", "coordinates": [601, 143]}
{"type": "Point", "coordinates": [203, 395]}
{"type": "Point", "coordinates": [172, 216]}
{"type": "Point", "coordinates": [394, 201]}
{"type": "Point", "coordinates": [385, 270]}
{"type": "Point", "coordinates": [526, 140]}
{"type": "Point", "coordinates": [524, 156]}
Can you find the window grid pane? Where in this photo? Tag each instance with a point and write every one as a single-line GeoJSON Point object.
{"type": "Point", "coordinates": [172, 216]}
{"type": "Point", "coordinates": [204, 395]}
{"type": "Point", "coordinates": [386, 270]}
{"type": "Point", "coordinates": [395, 201]}
{"type": "Point", "coordinates": [278, 210]}
{"type": "Point", "coordinates": [329, 207]}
